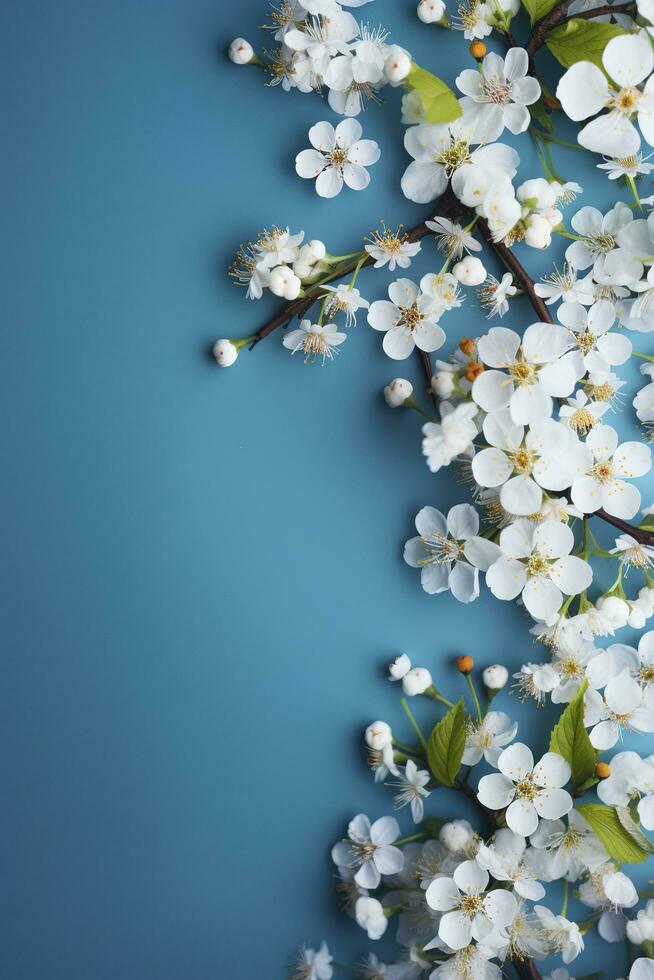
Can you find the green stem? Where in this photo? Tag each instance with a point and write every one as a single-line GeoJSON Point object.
{"type": "Point", "coordinates": [549, 138]}
{"type": "Point", "coordinates": [643, 357]}
{"type": "Point", "coordinates": [632, 185]}
{"type": "Point", "coordinates": [567, 234]}
{"type": "Point", "coordinates": [357, 269]}
{"type": "Point", "coordinates": [414, 724]}
{"type": "Point", "coordinates": [410, 402]}
{"type": "Point", "coordinates": [435, 695]}
{"type": "Point", "coordinates": [409, 840]}
{"type": "Point", "coordinates": [405, 748]}
{"type": "Point", "coordinates": [471, 685]}
{"type": "Point", "coordinates": [566, 891]}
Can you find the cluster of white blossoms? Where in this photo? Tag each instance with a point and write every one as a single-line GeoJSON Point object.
{"type": "Point", "coordinates": [524, 411]}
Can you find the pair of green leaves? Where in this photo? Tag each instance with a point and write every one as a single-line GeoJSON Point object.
{"type": "Point", "coordinates": [439, 103]}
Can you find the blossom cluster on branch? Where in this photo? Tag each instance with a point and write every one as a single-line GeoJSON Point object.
{"type": "Point", "coordinates": [522, 414]}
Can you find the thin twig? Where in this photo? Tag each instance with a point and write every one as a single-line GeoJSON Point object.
{"type": "Point", "coordinates": [559, 15]}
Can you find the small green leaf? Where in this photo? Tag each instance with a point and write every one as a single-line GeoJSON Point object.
{"type": "Point", "coordinates": [538, 8]}
{"type": "Point", "coordinates": [439, 102]}
{"type": "Point", "coordinates": [581, 40]}
{"type": "Point", "coordinates": [570, 739]}
{"type": "Point", "coordinates": [633, 829]}
{"type": "Point", "coordinates": [446, 744]}
{"type": "Point", "coordinates": [620, 845]}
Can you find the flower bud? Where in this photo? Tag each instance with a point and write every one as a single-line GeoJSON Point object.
{"type": "Point", "coordinates": [602, 770]}
{"type": "Point", "coordinates": [397, 392]}
{"type": "Point", "coordinates": [399, 667]}
{"type": "Point", "coordinates": [431, 11]}
{"type": "Point", "coordinates": [397, 65]}
{"type": "Point", "coordinates": [442, 384]}
{"type": "Point", "coordinates": [637, 617]}
{"type": "Point", "coordinates": [416, 681]}
{"type": "Point", "coordinates": [553, 217]}
{"type": "Point", "coordinates": [465, 664]}
{"type": "Point", "coordinates": [478, 50]}
{"type": "Point", "coordinates": [303, 267]}
{"type": "Point", "coordinates": [225, 353]}
{"type": "Point", "coordinates": [538, 233]}
{"type": "Point", "coordinates": [469, 271]}
{"type": "Point", "coordinates": [615, 609]}
{"type": "Point", "coordinates": [316, 249]}
{"type": "Point", "coordinates": [370, 915]}
{"type": "Point", "coordinates": [473, 370]}
{"type": "Point", "coordinates": [378, 735]}
{"type": "Point", "coordinates": [495, 677]}
{"type": "Point", "coordinates": [467, 346]}
{"type": "Point", "coordinates": [456, 835]}
{"type": "Point", "coordinates": [240, 51]}
{"type": "Point", "coordinates": [537, 190]}
{"type": "Point", "coordinates": [283, 282]}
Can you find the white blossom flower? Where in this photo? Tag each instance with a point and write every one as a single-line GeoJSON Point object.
{"type": "Point", "coordinates": [626, 707]}
{"type": "Point", "coordinates": [548, 457]}
{"type": "Point", "coordinates": [608, 891]}
{"type": "Point", "coordinates": [370, 850]}
{"type": "Point", "coordinates": [564, 936]}
{"type": "Point", "coordinates": [632, 165]}
{"type": "Point", "coordinates": [504, 858]}
{"type": "Point", "coordinates": [370, 916]}
{"type": "Point", "coordinates": [597, 349]}
{"type": "Point", "coordinates": [450, 437]}
{"type": "Point", "coordinates": [566, 286]}
{"type": "Point", "coordinates": [354, 77]}
{"type": "Point", "coordinates": [641, 928]}
{"type": "Point", "coordinates": [430, 11]}
{"type": "Point", "coordinates": [561, 850]}
{"type": "Point", "coordinates": [379, 738]}
{"type": "Point", "coordinates": [535, 681]}
{"type": "Point", "coordinates": [339, 155]}
{"type": "Point", "coordinates": [608, 467]}
{"type": "Point", "coordinates": [584, 90]}
{"type": "Point", "coordinates": [442, 151]}
{"type": "Point", "coordinates": [500, 91]}
{"type": "Point", "coordinates": [489, 737]}
{"type": "Point", "coordinates": [469, 271]}
{"type": "Point", "coordinates": [528, 791]}
{"type": "Point", "coordinates": [409, 320]}
{"type": "Point", "coordinates": [449, 552]}
{"type": "Point", "coordinates": [494, 295]}
{"type": "Point", "coordinates": [633, 554]}
{"type": "Point", "coordinates": [599, 243]}
{"type": "Point", "coordinates": [474, 19]}
{"type": "Point", "coordinates": [525, 372]}
{"type": "Point", "coordinates": [470, 912]}
{"type": "Point", "coordinates": [536, 563]}
{"type": "Point", "coordinates": [314, 964]}
{"type": "Point", "coordinates": [644, 404]}
{"type": "Point", "coordinates": [581, 413]}
{"type": "Point", "coordinates": [315, 340]}
{"type": "Point", "coordinates": [412, 783]}
{"type": "Point", "coordinates": [399, 667]}
{"type": "Point", "coordinates": [416, 681]}
{"type": "Point", "coordinates": [323, 38]}
{"type": "Point", "coordinates": [391, 248]}
{"type": "Point", "coordinates": [451, 238]}
{"type": "Point", "coordinates": [344, 299]}
{"type": "Point", "coordinates": [456, 836]}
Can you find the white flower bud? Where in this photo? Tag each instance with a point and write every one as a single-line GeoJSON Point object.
{"type": "Point", "coordinates": [539, 191]}
{"type": "Point", "coordinates": [553, 217]}
{"type": "Point", "coordinates": [442, 383]}
{"type": "Point", "coordinates": [456, 835]}
{"type": "Point", "coordinates": [397, 392]}
{"type": "Point", "coordinates": [637, 617]}
{"type": "Point", "coordinates": [399, 667]}
{"type": "Point", "coordinates": [615, 609]}
{"type": "Point", "coordinates": [495, 677]}
{"type": "Point", "coordinates": [303, 267]}
{"type": "Point", "coordinates": [470, 271]}
{"type": "Point", "coordinates": [397, 65]}
{"type": "Point", "coordinates": [225, 352]}
{"type": "Point", "coordinates": [431, 11]}
{"type": "Point", "coordinates": [641, 928]}
{"type": "Point", "coordinates": [370, 915]}
{"type": "Point", "coordinates": [620, 890]}
{"type": "Point", "coordinates": [316, 249]}
{"type": "Point", "coordinates": [240, 51]}
{"type": "Point", "coordinates": [416, 681]}
{"type": "Point", "coordinates": [283, 282]}
{"type": "Point", "coordinates": [378, 735]}
{"type": "Point", "coordinates": [538, 233]}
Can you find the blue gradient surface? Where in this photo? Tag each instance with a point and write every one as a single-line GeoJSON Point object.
{"type": "Point", "coordinates": [202, 574]}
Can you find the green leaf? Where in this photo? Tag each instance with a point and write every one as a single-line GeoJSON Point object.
{"type": "Point", "coordinates": [605, 821]}
{"type": "Point", "coordinates": [446, 744]}
{"type": "Point", "coordinates": [570, 739]}
{"type": "Point", "coordinates": [581, 40]}
{"type": "Point", "coordinates": [439, 102]}
{"type": "Point", "coordinates": [538, 8]}
{"type": "Point", "coordinates": [633, 829]}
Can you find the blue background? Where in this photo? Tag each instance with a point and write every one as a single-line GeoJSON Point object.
{"type": "Point", "coordinates": [202, 576]}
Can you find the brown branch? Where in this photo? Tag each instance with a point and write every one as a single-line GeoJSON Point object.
{"type": "Point", "coordinates": [519, 272]}
{"type": "Point", "coordinates": [526, 969]}
{"type": "Point", "coordinates": [559, 15]}
{"type": "Point", "coordinates": [446, 206]}
{"type": "Point", "coordinates": [638, 533]}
